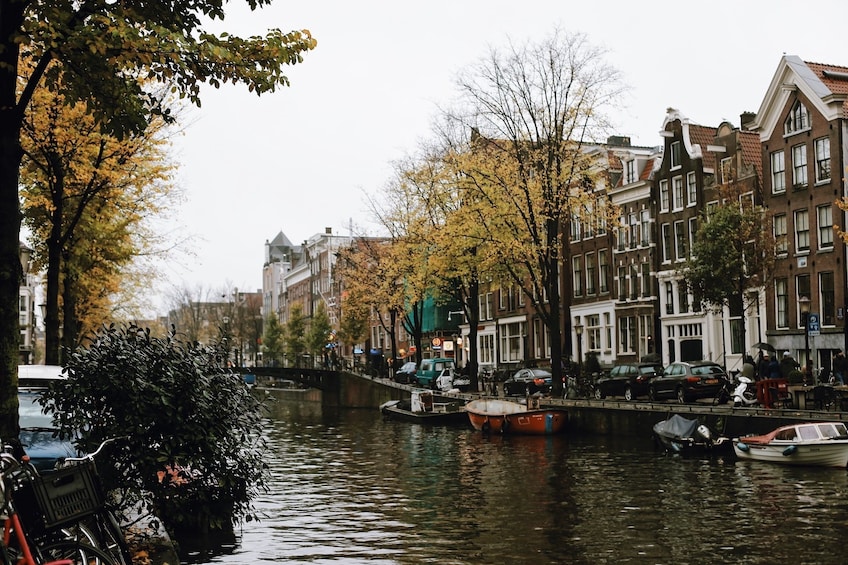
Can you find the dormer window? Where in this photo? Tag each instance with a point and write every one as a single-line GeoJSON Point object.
{"type": "Point", "coordinates": [797, 120]}
{"type": "Point", "coordinates": [630, 175]}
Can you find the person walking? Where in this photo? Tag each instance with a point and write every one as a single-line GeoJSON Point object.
{"type": "Point", "coordinates": [840, 365]}
{"type": "Point", "coordinates": [763, 366]}
{"type": "Point", "coordinates": [788, 364]}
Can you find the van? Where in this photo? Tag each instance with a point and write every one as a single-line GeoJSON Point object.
{"type": "Point", "coordinates": [431, 369]}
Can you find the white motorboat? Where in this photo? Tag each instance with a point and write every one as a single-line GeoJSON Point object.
{"type": "Point", "coordinates": [820, 444]}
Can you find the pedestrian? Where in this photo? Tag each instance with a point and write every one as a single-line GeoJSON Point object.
{"type": "Point", "coordinates": [773, 369]}
{"type": "Point", "coordinates": [840, 365]}
{"type": "Point", "coordinates": [788, 364]}
{"type": "Point", "coordinates": [763, 366]}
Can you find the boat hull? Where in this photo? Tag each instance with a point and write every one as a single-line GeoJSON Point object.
{"type": "Point", "coordinates": [833, 454]}
{"type": "Point", "coordinates": [504, 417]}
{"type": "Point", "coordinates": [395, 412]}
{"type": "Point", "coordinates": [819, 444]}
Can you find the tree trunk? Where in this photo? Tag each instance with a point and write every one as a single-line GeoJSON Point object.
{"type": "Point", "coordinates": [10, 217]}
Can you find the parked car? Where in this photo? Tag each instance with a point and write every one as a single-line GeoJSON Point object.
{"type": "Point", "coordinates": [37, 432]}
{"type": "Point", "coordinates": [688, 381]}
{"type": "Point", "coordinates": [629, 380]}
{"type": "Point", "coordinates": [406, 373]}
{"type": "Point", "coordinates": [431, 369]}
{"type": "Point", "coordinates": [528, 381]}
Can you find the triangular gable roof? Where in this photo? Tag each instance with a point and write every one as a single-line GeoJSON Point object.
{"type": "Point", "coordinates": [826, 87]}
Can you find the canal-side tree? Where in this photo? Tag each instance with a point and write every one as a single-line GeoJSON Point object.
{"type": "Point", "coordinates": [527, 117]}
{"type": "Point", "coordinates": [273, 342]}
{"type": "Point", "coordinates": [87, 198]}
{"type": "Point", "coordinates": [296, 335]}
{"type": "Point", "coordinates": [318, 335]}
{"type": "Point", "coordinates": [732, 257]}
{"type": "Point", "coordinates": [102, 48]}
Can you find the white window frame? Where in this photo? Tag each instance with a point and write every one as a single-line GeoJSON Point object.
{"type": "Point", "coordinates": [799, 166]}
{"type": "Point", "coordinates": [801, 220]}
{"type": "Point", "coordinates": [778, 171]}
{"type": "Point", "coordinates": [692, 188]}
{"type": "Point", "coordinates": [824, 221]}
{"type": "Point", "coordinates": [822, 151]}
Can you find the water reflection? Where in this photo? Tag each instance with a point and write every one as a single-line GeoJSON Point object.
{"type": "Point", "coordinates": [348, 487]}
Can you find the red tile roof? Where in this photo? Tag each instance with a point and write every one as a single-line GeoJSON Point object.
{"type": "Point", "coordinates": [751, 150]}
{"type": "Point", "coordinates": [837, 85]}
{"type": "Point", "coordinates": [703, 136]}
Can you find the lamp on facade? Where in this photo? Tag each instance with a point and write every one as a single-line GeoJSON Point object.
{"type": "Point", "coordinates": [578, 329]}
{"type": "Point", "coordinates": [804, 307]}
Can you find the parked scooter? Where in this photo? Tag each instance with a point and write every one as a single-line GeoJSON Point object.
{"type": "Point", "coordinates": [745, 393]}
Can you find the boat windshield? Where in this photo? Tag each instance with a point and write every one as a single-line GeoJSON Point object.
{"type": "Point", "coordinates": [834, 431]}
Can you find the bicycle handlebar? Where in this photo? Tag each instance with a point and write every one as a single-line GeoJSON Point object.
{"type": "Point", "coordinates": [93, 454]}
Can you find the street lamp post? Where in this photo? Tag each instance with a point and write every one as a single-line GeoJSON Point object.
{"type": "Point", "coordinates": [804, 306]}
{"type": "Point", "coordinates": [578, 329]}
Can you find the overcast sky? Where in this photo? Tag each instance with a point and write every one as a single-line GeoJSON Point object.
{"type": "Point", "coordinates": [301, 159]}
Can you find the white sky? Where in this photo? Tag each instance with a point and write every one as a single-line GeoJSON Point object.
{"type": "Point", "coordinates": [301, 159]}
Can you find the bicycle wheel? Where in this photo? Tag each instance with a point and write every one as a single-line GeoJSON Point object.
{"type": "Point", "coordinates": [108, 536]}
{"type": "Point", "coordinates": [77, 553]}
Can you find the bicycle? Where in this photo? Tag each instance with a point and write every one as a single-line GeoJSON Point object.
{"type": "Point", "coordinates": [64, 511]}
{"type": "Point", "coordinates": [24, 541]}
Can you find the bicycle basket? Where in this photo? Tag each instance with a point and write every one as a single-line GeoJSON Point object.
{"type": "Point", "coordinates": [58, 498]}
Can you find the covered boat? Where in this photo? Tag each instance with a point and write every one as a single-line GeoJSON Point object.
{"type": "Point", "coordinates": [821, 444]}
{"type": "Point", "coordinates": [682, 435]}
{"type": "Point", "coordinates": [425, 407]}
{"type": "Point", "coordinates": [508, 417]}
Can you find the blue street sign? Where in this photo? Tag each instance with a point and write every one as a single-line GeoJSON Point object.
{"type": "Point", "coordinates": [813, 324]}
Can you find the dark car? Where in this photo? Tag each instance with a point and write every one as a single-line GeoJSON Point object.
{"type": "Point", "coordinates": [690, 381]}
{"type": "Point", "coordinates": [406, 373]}
{"type": "Point", "coordinates": [528, 381]}
{"type": "Point", "coordinates": [37, 435]}
{"type": "Point", "coordinates": [629, 380]}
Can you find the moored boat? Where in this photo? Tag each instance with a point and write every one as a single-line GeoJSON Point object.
{"type": "Point", "coordinates": [821, 444]}
{"type": "Point", "coordinates": [507, 417]}
{"type": "Point", "coordinates": [682, 435]}
{"type": "Point", "coordinates": [425, 407]}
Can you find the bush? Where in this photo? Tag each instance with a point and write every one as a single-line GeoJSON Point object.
{"type": "Point", "coordinates": [190, 430]}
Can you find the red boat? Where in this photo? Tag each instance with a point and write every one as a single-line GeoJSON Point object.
{"type": "Point", "coordinates": [507, 417]}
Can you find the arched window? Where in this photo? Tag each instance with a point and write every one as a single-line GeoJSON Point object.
{"type": "Point", "coordinates": [797, 120]}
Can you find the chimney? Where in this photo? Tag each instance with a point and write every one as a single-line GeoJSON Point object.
{"type": "Point", "coordinates": [328, 231]}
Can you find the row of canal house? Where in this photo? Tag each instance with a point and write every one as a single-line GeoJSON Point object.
{"type": "Point", "coordinates": [627, 298]}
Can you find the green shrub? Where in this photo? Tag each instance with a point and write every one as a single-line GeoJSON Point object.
{"type": "Point", "coordinates": [175, 408]}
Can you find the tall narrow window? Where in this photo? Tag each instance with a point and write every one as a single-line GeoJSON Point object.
{"type": "Point", "coordinates": [646, 279]}
{"type": "Point", "coordinates": [781, 303]}
{"type": "Point", "coordinates": [664, 196]}
{"type": "Point", "coordinates": [601, 217]}
{"type": "Point", "coordinates": [634, 282]}
{"type": "Point", "coordinates": [693, 229]}
{"type": "Point", "coordinates": [799, 166]}
{"type": "Point", "coordinates": [825, 226]}
{"type": "Point", "coordinates": [682, 297]}
{"type": "Point", "coordinates": [675, 154]}
{"type": "Point", "coordinates": [645, 220]}
{"type": "Point", "coordinates": [802, 288]}
{"type": "Point", "coordinates": [827, 299]}
{"type": "Point", "coordinates": [778, 172]}
{"type": "Point", "coordinates": [603, 271]}
{"type": "Point", "coordinates": [822, 159]}
{"type": "Point", "coordinates": [590, 273]}
{"type": "Point", "coordinates": [630, 175]}
{"type": "Point", "coordinates": [781, 246]}
{"type": "Point", "coordinates": [669, 298]}
{"type": "Point", "coordinates": [635, 236]}
{"type": "Point", "coordinates": [726, 170]}
{"type": "Point", "coordinates": [680, 240]}
{"type": "Point", "coordinates": [622, 283]}
{"type": "Point", "coordinates": [577, 275]}
{"type": "Point", "coordinates": [802, 230]}
{"type": "Point", "coordinates": [678, 192]}
{"type": "Point", "coordinates": [692, 188]}
{"type": "Point", "coordinates": [666, 242]}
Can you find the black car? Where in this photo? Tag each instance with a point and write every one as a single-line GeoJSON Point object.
{"type": "Point", "coordinates": [406, 374]}
{"type": "Point", "coordinates": [629, 380]}
{"type": "Point", "coordinates": [688, 381]}
{"type": "Point", "coordinates": [528, 381]}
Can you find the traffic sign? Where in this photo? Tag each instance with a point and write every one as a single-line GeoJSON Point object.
{"type": "Point", "coordinates": [813, 324]}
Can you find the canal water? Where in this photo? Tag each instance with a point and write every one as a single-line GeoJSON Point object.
{"type": "Point", "coordinates": [349, 487]}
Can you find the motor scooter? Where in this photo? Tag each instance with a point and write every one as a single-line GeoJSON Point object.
{"type": "Point", "coordinates": [745, 393]}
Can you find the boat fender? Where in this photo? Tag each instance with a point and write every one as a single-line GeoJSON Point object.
{"type": "Point", "coordinates": [505, 425]}
{"type": "Point", "coordinates": [485, 427]}
{"type": "Point", "coordinates": [790, 450]}
{"type": "Point", "coordinates": [675, 447]}
{"type": "Point", "coordinates": [742, 446]}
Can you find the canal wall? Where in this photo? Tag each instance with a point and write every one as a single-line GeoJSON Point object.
{"type": "Point", "coordinates": [607, 417]}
